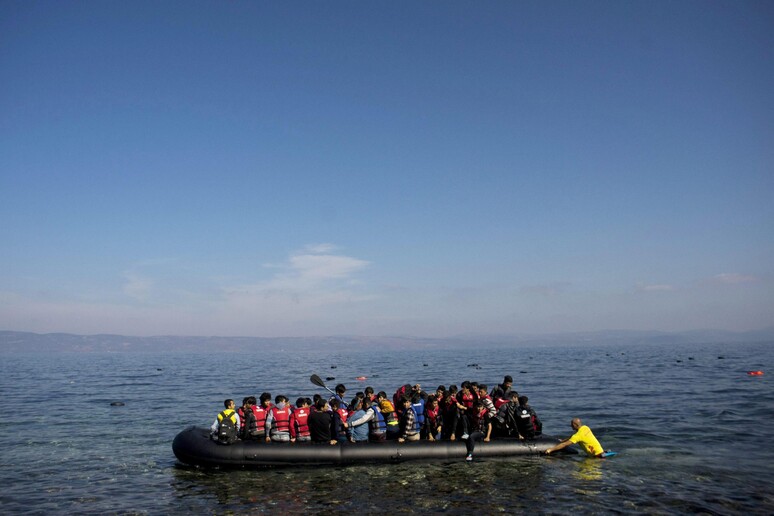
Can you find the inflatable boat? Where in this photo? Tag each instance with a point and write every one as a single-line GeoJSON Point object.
{"type": "Point", "coordinates": [193, 446]}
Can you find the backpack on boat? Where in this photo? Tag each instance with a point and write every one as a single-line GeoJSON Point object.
{"type": "Point", "coordinates": [227, 430]}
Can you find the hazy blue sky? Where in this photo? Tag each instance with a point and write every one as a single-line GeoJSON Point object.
{"type": "Point", "coordinates": [424, 168]}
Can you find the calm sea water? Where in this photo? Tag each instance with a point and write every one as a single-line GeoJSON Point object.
{"type": "Point", "coordinates": [694, 432]}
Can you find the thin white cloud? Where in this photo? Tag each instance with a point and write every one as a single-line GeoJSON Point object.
{"type": "Point", "coordinates": [137, 287]}
{"type": "Point", "coordinates": [311, 279]}
{"type": "Point", "coordinates": [734, 278]}
{"type": "Point", "coordinates": [320, 248]}
{"type": "Point", "coordinates": [317, 267]}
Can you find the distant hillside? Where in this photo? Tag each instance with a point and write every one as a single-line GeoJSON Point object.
{"type": "Point", "coordinates": [26, 342]}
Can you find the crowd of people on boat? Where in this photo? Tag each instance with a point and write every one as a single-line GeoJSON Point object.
{"type": "Point", "coordinates": [469, 413]}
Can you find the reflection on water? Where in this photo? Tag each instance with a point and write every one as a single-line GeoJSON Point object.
{"type": "Point", "coordinates": [431, 487]}
{"type": "Point", "coordinates": [589, 468]}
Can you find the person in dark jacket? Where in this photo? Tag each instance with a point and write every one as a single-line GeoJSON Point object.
{"type": "Point", "coordinates": [527, 421]}
{"type": "Point", "coordinates": [504, 422]}
{"type": "Point", "coordinates": [481, 428]}
{"type": "Point", "coordinates": [321, 423]}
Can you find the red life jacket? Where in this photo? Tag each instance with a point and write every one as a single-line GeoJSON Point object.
{"type": "Point", "coordinates": [396, 398]}
{"type": "Point", "coordinates": [467, 399]}
{"type": "Point", "coordinates": [343, 414]}
{"type": "Point", "coordinates": [260, 417]}
{"type": "Point", "coordinates": [299, 422]}
{"type": "Point", "coordinates": [499, 402]}
{"type": "Point", "coordinates": [280, 419]}
{"type": "Point", "coordinates": [255, 428]}
{"type": "Point", "coordinates": [241, 413]}
{"type": "Point", "coordinates": [432, 417]}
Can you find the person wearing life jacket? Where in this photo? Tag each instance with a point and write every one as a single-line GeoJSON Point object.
{"type": "Point", "coordinates": [261, 411]}
{"type": "Point", "coordinates": [218, 425]}
{"type": "Point", "coordinates": [241, 412]}
{"type": "Point", "coordinates": [440, 392]}
{"type": "Point", "coordinates": [481, 428]}
{"type": "Point", "coordinates": [397, 398]}
{"type": "Point", "coordinates": [299, 422]}
{"type": "Point", "coordinates": [371, 419]}
{"type": "Point", "coordinates": [249, 417]}
{"type": "Point", "coordinates": [338, 430]}
{"type": "Point", "coordinates": [313, 405]}
{"type": "Point", "coordinates": [504, 423]}
{"type": "Point", "coordinates": [369, 394]}
{"type": "Point", "coordinates": [388, 413]}
{"type": "Point", "coordinates": [499, 398]}
{"type": "Point", "coordinates": [340, 390]}
{"type": "Point", "coordinates": [433, 419]}
{"type": "Point", "coordinates": [417, 388]}
{"type": "Point", "coordinates": [582, 436]}
{"type": "Point", "coordinates": [474, 390]}
{"type": "Point", "coordinates": [278, 421]}
{"type": "Point", "coordinates": [503, 390]}
{"type": "Point", "coordinates": [451, 413]}
{"type": "Point", "coordinates": [418, 404]}
{"type": "Point", "coordinates": [487, 401]}
{"type": "Point", "coordinates": [409, 431]}
{"type": "Point", "coordinates": [465, 401]}
{"type": "Point", "coordinates": [527, 421]}
{"type": "Point", "coordinates": [358, 433]}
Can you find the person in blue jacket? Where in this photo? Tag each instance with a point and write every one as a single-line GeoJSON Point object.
{"type": "Point", "coordinates": [357, 433]}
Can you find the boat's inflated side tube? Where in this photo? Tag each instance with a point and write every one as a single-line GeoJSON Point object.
{"type": "Point", "coordinates": [194, 446]}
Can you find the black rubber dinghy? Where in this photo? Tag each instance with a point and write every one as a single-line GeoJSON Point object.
{"type": "Point", "coordinates": [193, 446]}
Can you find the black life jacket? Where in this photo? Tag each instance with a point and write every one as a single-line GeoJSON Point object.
{"type": "Point", "coordinates": [528, 423]}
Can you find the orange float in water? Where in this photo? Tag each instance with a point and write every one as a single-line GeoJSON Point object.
{"type": "Point", "coordinates": [755, 373]}
{"type": "Point", "coordinates": [361, 378]}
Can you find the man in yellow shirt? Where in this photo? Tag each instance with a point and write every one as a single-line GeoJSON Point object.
{"type": "Point", "coordinates": [582, 436]}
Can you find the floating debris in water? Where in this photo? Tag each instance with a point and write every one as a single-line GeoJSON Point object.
{"type": "Point", "coordinates": [117, 404]}
{"type": "Point", "coordinates": [329, 378]}
{"type": "Point", "coordinates": [721, 358]}
{"type": "Point", "coordinates": [472, 365]}
{"type": "Point", "coordinates": [755, 373]}
{"type": "Point", "coordinates": [333, 367]}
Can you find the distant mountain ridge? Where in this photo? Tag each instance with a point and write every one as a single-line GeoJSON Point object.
{"type": "Point", "coordinates": [28, 342]}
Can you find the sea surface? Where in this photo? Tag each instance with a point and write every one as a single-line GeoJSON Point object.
{"type": "Point", "coordinates": [694, 432]}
